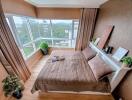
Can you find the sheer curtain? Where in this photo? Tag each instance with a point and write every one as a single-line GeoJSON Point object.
{"type": "Point", "coordinates": [10, 51]}
{"type": "Point", "coordinates": [86, 27]}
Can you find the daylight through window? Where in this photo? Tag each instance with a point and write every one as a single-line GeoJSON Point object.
{"type": "Point", "coordinates": [29, 33]}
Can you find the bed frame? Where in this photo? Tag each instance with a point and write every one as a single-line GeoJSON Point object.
{"type": "Point", "coordinates": [114, 80]}
{"type": "Point", "coordinates": [73, 92]}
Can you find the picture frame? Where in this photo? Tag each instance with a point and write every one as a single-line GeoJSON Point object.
{"type": "Point", "coordinates": [120, 53]}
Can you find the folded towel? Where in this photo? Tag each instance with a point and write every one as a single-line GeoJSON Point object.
{"type": "Point", "coordinates": [58, 58]}
{"type": "Point", "coordinates": [54, 59]}
{"type": "Point", "coordinates": [61, 58]}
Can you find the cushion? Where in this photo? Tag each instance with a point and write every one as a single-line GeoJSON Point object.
{"type": "Point", "coordinates": [88, 53]}
{"type": "Point", "coordinates": [99, 67]}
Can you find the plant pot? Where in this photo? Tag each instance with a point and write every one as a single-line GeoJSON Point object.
{"type": "Point", "coordinates": [17, 95]}
{"type": "Point", "coordinates": [44, 51]}
{"type": "Point", "coordinates": [124, 65]}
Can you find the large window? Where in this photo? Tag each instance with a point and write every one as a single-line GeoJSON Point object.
{"type": "Point", "coordinates": [29, 33]}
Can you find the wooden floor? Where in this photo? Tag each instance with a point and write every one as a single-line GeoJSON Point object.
{"type": "Point", "coordinates": [55, 96]}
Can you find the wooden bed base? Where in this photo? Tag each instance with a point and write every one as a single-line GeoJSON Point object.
{"type": "Point", "coordinates": [72, 92]}
{"type": "Point", "coordinates": [69, 95]}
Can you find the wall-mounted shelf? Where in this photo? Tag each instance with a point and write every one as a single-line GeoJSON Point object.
{"type": "Point", "coordinates": [120, 72]}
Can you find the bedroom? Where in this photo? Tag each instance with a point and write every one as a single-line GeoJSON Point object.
{"type": "Point", "coordinates": [112, 12]}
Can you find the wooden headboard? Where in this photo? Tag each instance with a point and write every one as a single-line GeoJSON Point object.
{"type": "Point", "coordinates": [119, 73]}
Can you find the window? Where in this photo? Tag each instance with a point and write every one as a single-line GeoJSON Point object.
{"type": "Point", "coordinates": [23, 34]}
{"type": "Point", "coordinates": [61, 28]}
{"type": "Point", "coordinates": [29, 33]}
{"type": "Point", "coordinates": [59, 33]}
{"type": "Point", "coordinates": [34, 25]}
{"type": "Point", "coordinates": [45, 28]}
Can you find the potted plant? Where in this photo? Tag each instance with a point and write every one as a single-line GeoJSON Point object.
{"type": "Point", "coordinates": [44, 48]}
{"type": "Point", "coordinates": [12, 86]}
{"type": "Point", "coordinates": [127, 61]}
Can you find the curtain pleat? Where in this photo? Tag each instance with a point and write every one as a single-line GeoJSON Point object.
{"type": "Point", "coordinates": [6, 65]}
{"type": "Point", "coordinates": [86, 27]}
{"type": "Point", "coordinates": [10, 49]}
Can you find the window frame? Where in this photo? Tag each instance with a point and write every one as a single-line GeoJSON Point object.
{"type": "Point", "coordinates": [14, 30]}
{"type": "Point", "coordinates": [34, 41]}
{"type": "Point", "coordinates": [52, 39]}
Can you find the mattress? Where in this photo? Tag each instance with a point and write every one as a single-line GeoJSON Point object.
{"type": "Point", "coordinates": [71, 74]}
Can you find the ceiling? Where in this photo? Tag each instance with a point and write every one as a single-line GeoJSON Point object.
{"type": "Point", "coordinates": [67, 3]}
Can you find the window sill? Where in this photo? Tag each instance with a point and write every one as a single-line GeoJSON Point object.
{"type": "Point", "coordinates": [33, 59]}
{"type": "Point", "coordinates": [61, 47]}
{"type": "Point", "coordinates": [31, 55]}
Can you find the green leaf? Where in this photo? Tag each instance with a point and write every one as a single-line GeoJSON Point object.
{"type": "Point", "coordinates": [43, 45]}
{"type": "Point", "coordinates": [127, 60]}
{"type": "Point", "coordinates": [11, 84]}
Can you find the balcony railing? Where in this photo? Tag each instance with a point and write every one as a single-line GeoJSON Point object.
{"type": "Point", "coordinates": [28, 48]}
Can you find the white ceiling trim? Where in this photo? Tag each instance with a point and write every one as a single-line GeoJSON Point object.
{"type": "Point", "coordinates": [67, 4]}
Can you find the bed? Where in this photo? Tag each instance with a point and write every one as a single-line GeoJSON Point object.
{"type": "Point", "coordinates": [71, 74]}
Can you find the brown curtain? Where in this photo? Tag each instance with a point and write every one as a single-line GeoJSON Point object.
{"type": "Point", "coordinates": [6, 65]}
{"type": "Point", "coordinates": [10, 50]}
{"type": "Point", "coordinates": [86, 27]}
